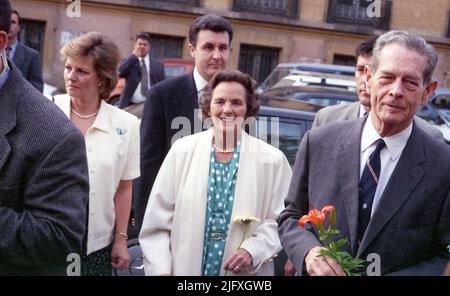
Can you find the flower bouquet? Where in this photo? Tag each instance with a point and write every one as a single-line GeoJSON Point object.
{"type": "Point", "coordinates": [350, 265]}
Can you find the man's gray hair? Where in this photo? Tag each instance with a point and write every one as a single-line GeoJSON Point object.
{"type": "Point", "coordinates": [410, 41]}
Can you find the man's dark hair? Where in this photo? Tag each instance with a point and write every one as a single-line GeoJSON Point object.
{"type": "Point", "coordinates": [365, 48]}
{"type": "Point", "coordinates": [5, 15]}
{"type": "Point", "coordinates": [18, 15]}
{"type": "Point", "coordinates": [211, 22]}
{"type": "Point", "coordinates": [145, 36]}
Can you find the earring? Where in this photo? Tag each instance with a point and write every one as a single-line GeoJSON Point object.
{"type": "Point", "coordinates": [4, 60]}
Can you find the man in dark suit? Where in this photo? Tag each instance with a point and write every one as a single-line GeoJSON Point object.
{"type": "Point", "coordinates": [170, 110]}
{"type": "Point", "coordinates": [363, 53]}
{"type": "Point", "coordinates": [387, 178]}
{"type": "Point", "coordinates": [26, 59]}
{"type": "Point", "coordinates": [44, 182]}
{"type": "Point", "coordinates": [140, 72]}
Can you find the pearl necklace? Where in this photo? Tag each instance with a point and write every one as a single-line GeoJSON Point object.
{"type": "Point", "coordinates": [83, 116]}
{"type": "Point", "coordinates": [222, 150]}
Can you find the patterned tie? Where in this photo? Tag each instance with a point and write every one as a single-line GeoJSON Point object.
{"type": "Point", "coordinates": [144, 79]}
{"type": "Point", "coordinates": [367, 188]}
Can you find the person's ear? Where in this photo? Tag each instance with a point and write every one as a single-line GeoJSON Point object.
{"type": "Point", "coordinates": [192, 50]}
{"type": "Point", "coordinates": [3, 39]}
{"type": "Point", "coordinates": [429, 90]}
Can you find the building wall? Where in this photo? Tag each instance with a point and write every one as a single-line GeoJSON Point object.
{"type": "Point", "coordinates": [309, 38]}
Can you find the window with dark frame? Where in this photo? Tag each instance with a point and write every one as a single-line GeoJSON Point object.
{"type": "Point", "coordinates": [343, 59]}
{"type": "Point", "coordinates": [356, 12]}
{"type": "Point", "coordinates": [32, 34]}
{"type": "Point", "coordinates": [258, 61]}
{"type": "Point", "coordinates": [287, 8]}
{"type": "Point", "coordinates": [448, 29]}
{"type": "Point", "coordinates": [164, 46]}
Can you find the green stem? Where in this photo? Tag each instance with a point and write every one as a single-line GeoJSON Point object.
{"type": "Point", "coordinates": [240, 244]}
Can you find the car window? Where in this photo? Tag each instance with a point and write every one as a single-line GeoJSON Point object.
{"type": "Point", "coordinates": [283, 133]}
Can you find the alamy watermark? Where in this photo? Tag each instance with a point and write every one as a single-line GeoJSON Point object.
{"type": "Point", "coordinates": [74, 8]}
{"type": "Point", "coordinates": [374, 8]}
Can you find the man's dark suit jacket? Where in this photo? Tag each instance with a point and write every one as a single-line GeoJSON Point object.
{"type": "Point", "coordinates": [169, 99]}
{"type": "Point", "coordinates": [44, 183]}
{"type": "Point", "coordinates": [130, 69]}
{"type": "Point", "coordinates": [29, 63]}
{"type": "Point", "coordinates": [410, 228]}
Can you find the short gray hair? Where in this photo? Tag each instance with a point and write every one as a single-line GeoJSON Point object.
{"type": "Point", "coordinates": [410, 41]}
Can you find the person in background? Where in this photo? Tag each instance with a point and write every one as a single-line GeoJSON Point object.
{"type": "Point", "coordinates": [218, 193]}
{"type": "Point", "coordinates": [44, 184]}
{"type": "Point", "coordinates": [26, 59]}
{"type": "Point", "coordinates": [140, 72]}
{"type": "Point", "coordinates": [387, 178]}
{"type": "Point", "coordinates": [170, 110]}
{"type": "Point", "coordinates": [112, 145]}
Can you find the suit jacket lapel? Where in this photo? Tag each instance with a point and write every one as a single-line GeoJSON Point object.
{"type": "Point", "coordinates": [18, 58]}
{"type": "Point", "coordinates": [407, 174]}
{"type": "Point", "coordinates": [349, 151]}
{"type": "Point", "coordinates": [188, 92]}
{"type": "Point", "coordinates": [8, 106]}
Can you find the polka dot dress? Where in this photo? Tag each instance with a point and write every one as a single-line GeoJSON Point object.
{"type": "Point", "coordinates": [221, 188]}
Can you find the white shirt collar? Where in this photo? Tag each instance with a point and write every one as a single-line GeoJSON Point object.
{"type": "Point", "coordinates": [146, 61]}
{"type": "Point", "coordinates": [362, 110]}
{"type": "Point", "coordinates": [200, 82]}
{"type": "Point", "coordinates": [394, 143]}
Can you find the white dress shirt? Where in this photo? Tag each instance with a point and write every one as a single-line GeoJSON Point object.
{"type": "Point", "coordinates": [112, 150]}
{"type": "Point", "coordinates": [137, 96]}
{"type": "Point", "coordinates": [200, 82]}
{"type": "Point", "coordinates": [389, 155]}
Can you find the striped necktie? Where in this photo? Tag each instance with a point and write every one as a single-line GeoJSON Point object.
{"type": "Point", "coordinates": [368, 186]}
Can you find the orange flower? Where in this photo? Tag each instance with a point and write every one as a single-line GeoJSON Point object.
{"type": "Point", "coordinates": [326, 209]}
{"type": "Point", "coordinates": [313, 216]}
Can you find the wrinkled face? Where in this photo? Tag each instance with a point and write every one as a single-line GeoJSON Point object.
{"type": "Point", "coordinates": [80, 78]}
{"type": "Point", "coordinates": [397, 88]}
{"type": "Point", "coordinates": [142, 47]}
{"type": "Point", "coordinates": [360, 79]}
{"type": "Point", "coordinates": [228, 107]}
{"type": "Point", "coordinates": [15, 28]}
{"type": "Point", "coordinates": [211, 52]}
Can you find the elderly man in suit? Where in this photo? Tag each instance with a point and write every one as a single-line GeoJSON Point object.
{"type": "Point", "coordinates": [26, 59]}
{"type": "Point", "coordinates": [43, 176]}
{"type": "Point", "coordinates": [140, 72]}
{"type": "Point", "coordinates": [171, 108]}
{"type": "Point", "coordinates": [363, 53]}
{"type": "Point", "coordinates": [387, 178]}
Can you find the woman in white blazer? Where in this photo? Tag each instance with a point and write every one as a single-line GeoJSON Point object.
{"type": "Point", "coordinates": [214, 203]}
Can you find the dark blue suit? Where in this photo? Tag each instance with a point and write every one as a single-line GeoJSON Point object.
{"type": "Point", "coordinates": [29, 63]}
{"type": "Point", "coordinates": [44, 184]}
{"type": "Point", "coordinates": [131, 71]}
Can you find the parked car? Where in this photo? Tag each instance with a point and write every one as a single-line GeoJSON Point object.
{"type": "Point", "coordinates": [285, 69]}
{"type": "Point", "coordinates": [302, 78]}
{"type": "Point", "coordinates": [314, 95]}
{"type": "Point", "coordinates": [176, 67]}
{"type": "Point", "coordinates": [437, 111]}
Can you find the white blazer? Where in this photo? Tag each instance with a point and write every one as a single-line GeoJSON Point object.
{"type": "Point", "coordinates": [172, 234]}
